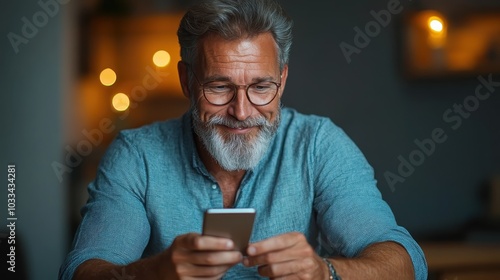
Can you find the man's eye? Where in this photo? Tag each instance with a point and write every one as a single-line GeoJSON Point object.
{"type": "Point", "coordinates": [262, 87]}
{"type": "Point", "coordinates": [219, 88]}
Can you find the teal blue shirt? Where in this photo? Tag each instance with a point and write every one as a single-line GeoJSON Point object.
{"type": "Point", "coordinates": [152, 186]}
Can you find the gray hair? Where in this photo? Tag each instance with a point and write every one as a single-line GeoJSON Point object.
{"type": "Point", "coordinates": [233, 19]}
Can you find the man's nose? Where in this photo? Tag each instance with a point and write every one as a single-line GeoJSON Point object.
{"type": "Point", "coordinates": [240, 107]}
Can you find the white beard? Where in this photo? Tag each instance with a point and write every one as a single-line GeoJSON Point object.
{"type": "Point", "coordinates": [234, 151]}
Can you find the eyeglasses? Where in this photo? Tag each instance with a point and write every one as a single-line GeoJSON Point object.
{"type": "Point", "coordinates": [222, 92]}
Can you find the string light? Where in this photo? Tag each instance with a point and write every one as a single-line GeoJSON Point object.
{"type": "Point", "coordinates": [107, 77]}
{"type": "Point", "coordinates": [161, 58]}
{"type": "Point", "coordinates": [120, 102]}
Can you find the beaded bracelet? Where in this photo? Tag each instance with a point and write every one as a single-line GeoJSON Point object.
{"type": "Point", "coordinates": [333, 273]}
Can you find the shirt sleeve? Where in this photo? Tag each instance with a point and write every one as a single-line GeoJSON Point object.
{"type": "Point", "coordinates": [114, 227]}
{"type": "Point", "coordinates": [350, 209]}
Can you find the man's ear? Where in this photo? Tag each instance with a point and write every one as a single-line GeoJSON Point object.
{"type": "Point", "coordinates": [284, 76]}
{"type": "Point", "coordinates": [182, 69]}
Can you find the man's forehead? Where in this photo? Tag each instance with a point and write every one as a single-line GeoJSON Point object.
{"type": "Point", "coordinates": [248, 49]}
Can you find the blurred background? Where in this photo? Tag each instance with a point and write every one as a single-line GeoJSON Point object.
{"type": "Point", "coordinates": [414, 83]}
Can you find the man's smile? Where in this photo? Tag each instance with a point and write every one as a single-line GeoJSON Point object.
{"type": "Point", "coordinates": [238, 130]}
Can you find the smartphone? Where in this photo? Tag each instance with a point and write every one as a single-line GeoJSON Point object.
{"type": "Point", "coordinates": [233, 223]}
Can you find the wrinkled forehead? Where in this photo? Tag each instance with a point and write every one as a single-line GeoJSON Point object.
{"type": "Point", "coordinates": [241, 52]}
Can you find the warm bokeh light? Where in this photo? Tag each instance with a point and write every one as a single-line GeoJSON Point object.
{"type": "Point", "coordinates": [107, 77]}
{"type": "Point", "coordinates": [436, 24]}
{"type": "Point", "coordinates": [161, 58]}
{"type": "Point", "coordinates": [120, 102]}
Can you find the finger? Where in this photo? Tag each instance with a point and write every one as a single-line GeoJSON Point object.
{"type": "Point", "coordinates": [298, 253]}
{"type": "Point", "coordinates": [204, 263]}
{"type": "Point", "coordinates": [207, 272]}
{"type": "Point", "coordinates": [216, 258]}
{"type": "Point", "coordinates": [197, 242]}
{"type": "Point", "coordinates": [275, 243]}
{"type": "Point", "coordinates": [303, 269]}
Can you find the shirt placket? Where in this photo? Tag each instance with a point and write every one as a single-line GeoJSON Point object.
{"type": "Point", "coordinates": [216, 198]}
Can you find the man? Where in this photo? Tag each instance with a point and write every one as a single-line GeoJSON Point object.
{"type": "Point", "coordinates": [237, 148]}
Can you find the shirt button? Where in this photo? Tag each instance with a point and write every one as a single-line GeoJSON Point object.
{"type": "Point", "coordinates": [214, 187]}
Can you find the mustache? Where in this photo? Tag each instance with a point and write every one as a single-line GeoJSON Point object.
{"type": "Point", "coordinates": [250, 122]}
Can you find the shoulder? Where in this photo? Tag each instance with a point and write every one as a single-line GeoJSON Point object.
{"type": "Point", "coordinates": [294, 122]}
{"type": "Point", "coordinates": [153, 134]}
{"type": "Point", "coordinates": [146, 145]}
{"type": "Point", "coordinates": [318, 133]}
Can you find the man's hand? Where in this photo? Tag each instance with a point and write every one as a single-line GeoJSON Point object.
{"type": "Point", "coordinates": [191, 256]}
{"type": "Point", "coordinates": [286, 256]}
{"type": "Point", "coordinates": [194, 256]}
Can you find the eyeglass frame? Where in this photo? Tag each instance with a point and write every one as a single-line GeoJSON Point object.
{"type": "Point", "coordinates": [235, 89]}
